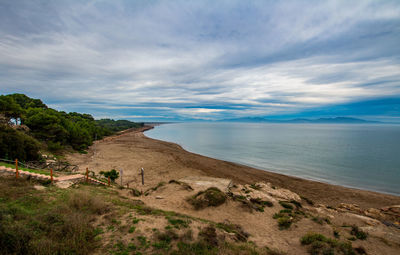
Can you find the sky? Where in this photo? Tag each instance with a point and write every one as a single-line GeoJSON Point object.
{"type": "Point", "coordinates": [205, 60]}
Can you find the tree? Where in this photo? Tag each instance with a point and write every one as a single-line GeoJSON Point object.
{"type": "Point", "coordinates": [15, 144]}
{"type": "Point", "coordinates": [113, 174]}
{"type": "Point", "coordinates": [10, 109]}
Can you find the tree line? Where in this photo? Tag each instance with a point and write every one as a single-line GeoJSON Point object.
{"type": "Point", "coordinates": [27, 125]}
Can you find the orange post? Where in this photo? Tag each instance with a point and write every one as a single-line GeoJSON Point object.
{"type": "Point", "coordinates": [16, 169]}
{"type": "Point", "coordinates": [51, 174]}
{"type": "Point", "coordinates": [87, 175]}
{"type": "Point", "coordinates": [108, 180]}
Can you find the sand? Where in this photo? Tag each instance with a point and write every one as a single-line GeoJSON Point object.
{"type": "Point", "coordinates": [163, 161]}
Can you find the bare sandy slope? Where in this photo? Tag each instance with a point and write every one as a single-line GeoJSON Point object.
{"type": "Point", "coordinates": [164, 161]}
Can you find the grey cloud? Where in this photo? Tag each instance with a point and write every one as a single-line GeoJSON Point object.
{"type": "Point", "coordinates": [265, 55]}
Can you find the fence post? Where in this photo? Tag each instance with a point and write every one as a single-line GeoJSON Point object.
{"type": "Point", "coordinates": [16, 169]}
{"type": "Point", "coordinates": [108, 180]}
{"type": "Point", "coordinates": [142, 172]}
{"type": "Point", "coordinates": [51, 175]}
{"type": "Point", "coordinates": [87, 175]}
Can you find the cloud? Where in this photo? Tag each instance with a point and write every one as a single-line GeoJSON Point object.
{"type": "Point", "coordinates": [200, 59]}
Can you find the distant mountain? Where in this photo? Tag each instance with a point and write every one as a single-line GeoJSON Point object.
{"type": "Point", "coordinates": [347, 120]}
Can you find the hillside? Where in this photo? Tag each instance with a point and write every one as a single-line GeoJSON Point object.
{"type": "Point", "coordinates": [27, 126]}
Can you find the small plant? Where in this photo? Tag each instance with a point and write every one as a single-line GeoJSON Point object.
{"type": "Point", "coordinates": [286, 205]}
{"type": "Point", "coordinates": [336, 234]}
{"type": "Point", "coordinates": [178, 223]}
{"type": "Point", "coordinates": [132, 229]}
{"type": "Point", "coordinates": [297, 204]}
{"type": "Point", "coordinates": [319, 244]}
{"type": "Point", "coordinates": [309, 201]}
{"type": "Point", "coordinates": [359, 234]}
{"type": "Point", "coordinates": [240, 234]}
{"type": "Point", "coordinates": [142, 240]}
{"type": "Point", "coordinates": [135, 192]}
{"type": "Point", "coordinates": [255, 186]}
{"type": "Point", "coordinates": [136, 220]}
{"type": "Point", "coordinates": [113, 174]}
{"type": "Point", "coordinates": [284, 222]}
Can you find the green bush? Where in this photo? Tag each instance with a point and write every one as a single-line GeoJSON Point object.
{"type": "Point", "coordinates": [113, 174]}
{"type": "Point", "coordinates": [359, 234]}
{"type": "Point", "coordinates": [286, 205]}
{"type": "Point", "coordinates": [320, 244]}
{"type": "Point", "coordinates": [210, 197]}
{"type": "Point", "coordinates": [15, 144]}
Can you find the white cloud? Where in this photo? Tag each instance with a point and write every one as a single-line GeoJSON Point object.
{"type": "Point", "coordinates": [185, 58]}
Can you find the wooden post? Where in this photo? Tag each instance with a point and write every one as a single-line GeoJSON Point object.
{"type": "Point", "coordinates": [87, 175]}
{"type": "Point", "coordinates": [108, 180]}
{"type": "Point", "coordinates": [51, 174]}
{"type": "Point", "coordinates": [16, 169]}
{"type": "Point", "coordinates": [127, 185]}
{"type": "Point", "coordinates": [142, 173]}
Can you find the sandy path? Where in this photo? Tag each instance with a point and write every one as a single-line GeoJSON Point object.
{"type": "Point", "coordinates": [164, 161]}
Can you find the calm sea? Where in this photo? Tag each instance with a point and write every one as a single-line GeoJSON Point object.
{"type": "Point", "coordinates": [360, 156]}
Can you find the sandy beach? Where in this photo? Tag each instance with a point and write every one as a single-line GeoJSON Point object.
{"type": "Point", "coordinates": [163, 161]}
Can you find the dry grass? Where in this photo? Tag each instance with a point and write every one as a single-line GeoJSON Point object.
{"type": "Point", "coordinates": [82, 200]}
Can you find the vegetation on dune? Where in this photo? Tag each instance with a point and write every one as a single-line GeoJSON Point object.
{"type": "Point", "coordinates": [89, 219]}
{"type": "Point", "coordinates": [210, 197]}
{"type": "Point", "coordinates": [25, 122]}
{"type": "Point", "coordinates": [30, 223]}
{"type": "Point", "coordinates": [320, 244]}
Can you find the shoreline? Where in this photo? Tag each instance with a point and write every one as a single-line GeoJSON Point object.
{"type": "Point", "coordinates": [269, 173]}
{"type": "Point", "coordinates": [164, 161]}
{"type": "Point", "coordinates": [277, 171]}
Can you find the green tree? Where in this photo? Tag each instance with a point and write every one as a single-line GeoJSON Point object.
{"type": "Point", "coordinates": [15, 144]}
{"type": "Point", "coordinates": [10, 109]}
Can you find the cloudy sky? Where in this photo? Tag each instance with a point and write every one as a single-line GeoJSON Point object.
{"type": "Point", "coordinates": [185, 60]}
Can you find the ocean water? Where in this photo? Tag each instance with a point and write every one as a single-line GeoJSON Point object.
{"type": "Point", "coordinates": [361, 156]}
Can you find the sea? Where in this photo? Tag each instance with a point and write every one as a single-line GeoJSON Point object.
{"type": "Point", "coordinates": [363, 156]}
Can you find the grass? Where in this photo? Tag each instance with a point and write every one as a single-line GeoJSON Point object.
{"type": "Point", "coordinates": [320, 244]}
{"type": "Point", "coordinates": [240, 234]}
{"type": "Point", "coordinates": [36, 171]}
{"type": "Point", "coordinates": [178, 223]}
{"type": "Point", "coordinates": [31, 223]}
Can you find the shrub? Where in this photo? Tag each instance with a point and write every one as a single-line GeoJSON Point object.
{"type": "Point", "coordinates": [209, 236]}
{"type": "Point", "coordinates": [240, 234]}
{"type": "Point", "coordinates": [113, 174]}
{"type": "Point", "coordinates": [84, 201]}
{"type": "Point", "coordinates": [359, 234]}
{"type": "Point", "coordinates": [286, 205]}
{"type": "Point", "coordinates": [311, 238]}
{"type": "Point", "coordinates": [321, 244]}
{"type": "Point", "coordinates": [210, 197]}
{"type": "Point", "coordinates": [284, 222]}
